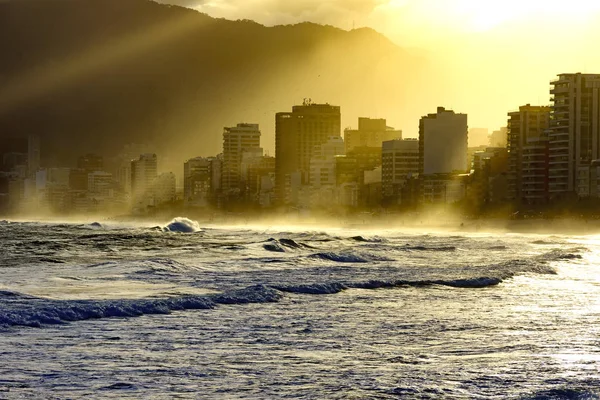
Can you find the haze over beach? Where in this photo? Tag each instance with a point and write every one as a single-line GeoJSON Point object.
{"type": "Point", "coordinates": [312, 199]}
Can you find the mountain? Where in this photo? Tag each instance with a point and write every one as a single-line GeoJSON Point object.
{"type": "Point", "coordinates": [93, 75]}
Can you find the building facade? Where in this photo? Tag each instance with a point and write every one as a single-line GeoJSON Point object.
{"type": "Point", "coordinates": [443, 143]}
{"type": "Point", "coordinates": [237, 140]}
{"type": "Point", "coordinates": [370, 133]}
{"type": "Point", "coordinates": [297, 134]}
{"type": "Point", "coordinates": [526, 127]}
{"type": "Point", "coordinates": [144, 171]}
{"type": "Point", "coordinates": [574, 133]}
{"type": "Point", "coordinates": [400, 160]}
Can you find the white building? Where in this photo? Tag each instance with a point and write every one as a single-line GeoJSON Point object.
{"type": "Point", "coordinates": [323, 162]}
{"type": "Point", "coordinates": [443, 141]}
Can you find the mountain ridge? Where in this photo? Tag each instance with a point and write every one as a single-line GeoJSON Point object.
{"type": "Point", "coordinates": [93, 75]}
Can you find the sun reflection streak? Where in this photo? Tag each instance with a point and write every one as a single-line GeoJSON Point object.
{"type": "Point", "coordinates": [43, 80]}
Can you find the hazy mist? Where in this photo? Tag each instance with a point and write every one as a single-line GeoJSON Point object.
{"type": "Point", "coordinates": [488, 56]}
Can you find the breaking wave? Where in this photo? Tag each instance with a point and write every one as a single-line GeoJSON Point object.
{"type": "Point", "coordinates": [24, 310]}
{"type": "Point", "coordinates": [348, 257]}
{"type": "Point", "coordinates": [182, 225]}
{"type": "Point", "coordinates": [39, 312]}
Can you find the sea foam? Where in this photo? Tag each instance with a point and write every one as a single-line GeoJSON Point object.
{"type": "Point", "coordinates": [182, 225]}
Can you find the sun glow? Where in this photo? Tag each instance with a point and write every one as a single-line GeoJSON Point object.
{"type": "Point", "coordinates": [485, 15]}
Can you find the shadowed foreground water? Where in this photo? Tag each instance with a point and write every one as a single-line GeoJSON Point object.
{"type": "Point", "coordinates": [122, 312]}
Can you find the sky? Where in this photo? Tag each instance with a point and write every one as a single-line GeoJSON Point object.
{"type": "Point", "coordinates": [491, 55]}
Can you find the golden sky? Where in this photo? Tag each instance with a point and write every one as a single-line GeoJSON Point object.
{"type": "Point", "coordinates": [491, 55]}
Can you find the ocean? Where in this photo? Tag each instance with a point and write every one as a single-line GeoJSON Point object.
{"type": "Point", "coordinates": [182, 311]}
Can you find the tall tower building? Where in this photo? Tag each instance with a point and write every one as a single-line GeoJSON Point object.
{"type": "Point", "coordinates": [370, 133]}
{"type": "Point", "coordinates": [443, 142]}
{"type": "Point", "coordinates": [574, 133]}
{"type": "Point", "coordinates": [297, 134]}
{"type": "Point", "coordinates": [236, 140]}
{"type": "Point", "coordinates": [526, 126]}
{"type": "Point", "coordinates": [144, 171]}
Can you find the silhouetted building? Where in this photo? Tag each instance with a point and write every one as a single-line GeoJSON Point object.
{"type": "Point", "coordinates": [236, 140]}
{"type": "Point", "coordinates": [78, 179]}
{"type": "Point", "coordinates": [197, 180]}
{"type": "Point", "coordinates": [479, 137]}
{"type": "Point", "coordinates": [260, 180]}
{"type": "Point", "coordinates": [489, 179]}
{"type": "Point", "coordinates": [144, 171]}
{"type": "Point", "coordinates": [400, 161]}
{"type": "Point", "coordinates": [370, 133]}
{"type": "Point", "coordinates": [535, 171]}
{"type": "Point", "coordinates": [524, 126]}
{"type": "Point", "coordinates": [100, 184]}
{"type": "Point", "coordinates": [443, 142]}
{"type": "Point", "coordinates": [91, 163]}
{"type": "Point", "coordinates": [164, 189]}
{"type": "Point", "coordinates": [498, 138]}
{"type": "Point", "coordinates": [443, 188]}
{"type": "Point", "coordinates": [574, 133]}
{"type": "Point", "coordinates": [296, 136]}
{"type": "Point", "coordinates": [52, 187]}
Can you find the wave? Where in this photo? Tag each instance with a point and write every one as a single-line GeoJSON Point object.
{"type": "Point", "coordinates": [428, 248]}
{"type": "Point", "coordinates": [40, 312]}
{"type": "Point", "coordinates": [182, 225]}
{"type": "Point", "coordinates": [375, 239]}
{"type": "Point", "coordinates": [348, 257]}
{"type": "Point", "coordinates": [24, 310]}
{"type": "Point", "coordinates": [280, 245]}
{"type": "Point", "coordinates": [337, 287]}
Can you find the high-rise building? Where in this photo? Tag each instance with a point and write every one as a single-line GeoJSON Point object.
{"type": "Point", "coordinates": [144, 171]}
{"type": "Point", "coordinates": [443, 139]}
{"type": "Point", "coordinates": [574, 133]}
{"type": "Point", "coordinates": [400, 160]}
{"type": "Point", "coordinates": [524, 126]}
{"type": "Point", "coordinates": [297, 134]}
{"type": "Point", "coordinates": [236, 140]}
{"type": "Point", "coordinates": [197, 181]}
{"type": "Point", "coordinates": [370, 133]}
{"type": "Point", "coordinates": [535, 170]}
